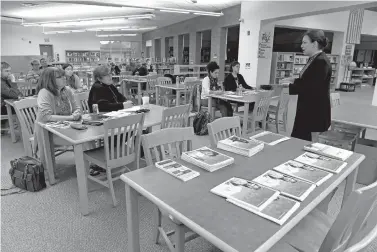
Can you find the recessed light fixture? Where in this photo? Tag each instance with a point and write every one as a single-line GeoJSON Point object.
{"type": "Point", "coordinates": [29, 4]}
{"type": "Point", "coordinates": [124, 28]}
{"type": "Point", "coordinates": [117, 35]}
{"type": "Point", "coordinates": [176, 11]}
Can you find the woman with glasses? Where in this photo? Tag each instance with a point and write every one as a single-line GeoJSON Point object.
{"type": "Point", "coordinates": [34, 74]}
{"type": "Point", "coordinates": [73, 80]}
{"type": "Point", "coordinates": [104, 93]}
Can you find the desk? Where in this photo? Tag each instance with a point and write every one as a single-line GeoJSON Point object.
{"type": "Point", "coordinates": [138, 81]}
{"type": "Point", "coordinates": [178, 88]}
{"type": "Point", "coordinates": [355, 114]}
{"type": "Point", "coordinates": [225, 225]}
{"type": "Point", "coordinates": [78, 138]}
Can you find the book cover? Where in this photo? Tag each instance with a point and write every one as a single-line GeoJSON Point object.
{"type": "Point", "coordinates": [329, 151]}
{"type": "Point", "coordinates": [239, 143]}
{"type": "Point", "coordinates": [278, 211]}
{"type": "Point", "coordinates": [208, 157]}
{"type": "Point", "coordinates": [303, 171]}
{"type": "Point", "coordinates": [287, 185]}
{"type": "Point", "coordinates": [247, 192]}
{"type": "Point", "coordinates": [270, 138]}
{"type": "Point", "coordinates": [177, 170]}
{"type": "Point", "coordinates": [321, 162]}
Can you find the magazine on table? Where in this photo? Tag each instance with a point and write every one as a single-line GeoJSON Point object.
{"type": "Point", "coordinates": [59, 124]}
{"type": "Point", "coordinates": [269, 138]}
{"type": "Point", "coordinates": [246, 192]}
{"type": "Point", "coordinates": [329, 151]}
{"type": "Point", "coordinates": [239, 145]}
{"type": "Point", "coordinates": [321, 162]}
{"type": "Point", "coordinates": [207, 159]}
{"type": "Point", "coordinates": [286, 185]}
{"type": "Point", "coordinates": [177, 170]}
{"type": "Point", "coordinates": [278, 211]}
{"type": "Point", "coordinates": [118, 113]}
{"type": "Point", "coordinates": [304, 172]}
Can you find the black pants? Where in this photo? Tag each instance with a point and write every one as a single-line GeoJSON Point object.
{"type": "Point", "coordinates": [5, 112]}
{"type": "Point", "coordinates": [302, 134]}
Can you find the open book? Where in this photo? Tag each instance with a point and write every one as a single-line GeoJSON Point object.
{"type": "Point", "coordinates": [321, 162]}
{"type": "Point", "coordinates": [269, 138]}
{"type": "Point", "coordinates": [278, 211]}
{"type": "Point", "coordinates": [246, 192]}
{"type": "Point", "coordinates": [303, 171]}
{"type": "Point", "coordinates": [328, 151]}
{"type": "Point", "coordinates": [286, 185]}
{"type": "Point", "coordinates": [240, 145]}
{"type": "Point", "coordinates": [177, 170]}
{"type": "Point", "coordinates": [207, 159]}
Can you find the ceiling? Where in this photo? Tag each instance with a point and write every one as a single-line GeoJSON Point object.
{"type": "Point", "coordinates": [45, 11]}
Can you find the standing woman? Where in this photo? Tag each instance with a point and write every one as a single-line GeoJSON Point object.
{"type": "Point", "coordinates": [73, 80]}
{"type": "Point", "coordinates": [313, 114]}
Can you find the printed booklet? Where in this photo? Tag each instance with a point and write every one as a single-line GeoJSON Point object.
{"type": "Point", "coordinates": [269, 138]}
{"type": "Point", "coordinates": [240, 145]}
{"type": "Point", "coordinates": [177, 170]}
{"type": "Point", "coordinates": [321, 162]}
{"type": "Point", "coordinates": [328, 151]}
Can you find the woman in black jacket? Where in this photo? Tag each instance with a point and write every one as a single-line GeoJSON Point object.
{"type": "Point", "coordinates": [235, 79]}
{"type": "Point", "coordinates": [313, 114]}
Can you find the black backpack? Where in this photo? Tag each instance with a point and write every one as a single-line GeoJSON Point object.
{"type": "Point", "coordinates": [201, 119]}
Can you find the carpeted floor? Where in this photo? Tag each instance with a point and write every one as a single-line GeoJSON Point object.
{"type": "Point", "coordinates": [50, 220]}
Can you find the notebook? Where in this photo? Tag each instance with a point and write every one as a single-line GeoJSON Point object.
{"type": "Point", "coordinates": [269, 138]}
{"type": "Point", "coordinates": [177, 170]}
{"type": "Point", "coordinates": [321, 162]}
{"type": "Point", "coordinates": [328, 151]}
{"type": "Point", "coordinates": [240, 145]}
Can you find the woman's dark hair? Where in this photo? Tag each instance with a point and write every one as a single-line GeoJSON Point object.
{"type": "Point", "coordinates": [212, 66]}
{"type": "Point", "coordinates": [233, 64]}
{"type": "Point", "coordinates": [48, 79]}
{"type": "Point", "coordinates": [64, 66]}
{"type": "Point", "coordinates": [319, 36]}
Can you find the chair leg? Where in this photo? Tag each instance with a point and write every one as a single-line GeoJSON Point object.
{"type": "Point", "coordinates": [158, 224]}
{"type": "Point", "coordinates": [111, 186]}
{"type": "Point", "coordinates": [277, 123]}
{"type": "Point", "coordinates": [179, 238]}
{"type": "Point", "coordinates": [363, 132]}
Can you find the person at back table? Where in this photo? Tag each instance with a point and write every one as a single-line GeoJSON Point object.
{"type": "Point", "coordinates": [44, 64]}
{"type": "Point", "coordinates": [104, 93]}
{"type": "Point", "coordinates": [73, 81]}
{"type": "Point", "coordinates": [9, 89]}
{"type": "Point", "coordinates": [141, 69]}
{"type": "Point", "coordinates": [313, 114]}
{"type": "Point", "coordinates": [210, 83]}
{"type": "Point", "coordinates": [235, 79]}
{"type": "Point", "coordinates": [34, 74]}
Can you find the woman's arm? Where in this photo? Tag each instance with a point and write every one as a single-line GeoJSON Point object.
{"type": "Point", "coordinates": [205, 86]}
{"type": "Point", "coordinates": [76, 111]}
{"type": "Point", "coordinates": [243, 82]}
{"type": "Point", "coordinates": [45, 102]}
{"type": "Point", "coordinates": [77, 82]}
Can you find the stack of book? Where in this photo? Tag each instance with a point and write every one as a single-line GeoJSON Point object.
{"type": "Point", "coordinates": [322, 162]}
{"type": "Point", "coordinates": [240, 146]}
{"type": "Point", "coordinates": [177, 170]}
{"type": "Point", "coordinates": [269, 138]}
{"type": "Point", "coordinates": [207, 159]}
{"type": "Point", "coordinates": [328, 151]}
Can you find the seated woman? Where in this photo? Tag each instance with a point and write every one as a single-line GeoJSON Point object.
{"type": "Point", "coordinates": [73, 80]}
{"type": "Point", "coordinates": [210, 83]}
{"type": "Point", "coordinates": [104, 93]}
{"type": "Point", "coordinates": [34, 74]}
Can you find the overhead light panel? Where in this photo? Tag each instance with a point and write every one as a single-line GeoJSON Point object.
{"type": "Point", "coordinates": [116, 35]}
{"type": "Point", "coordinates": [176, 11]}
{"type": "Point", "coordinates": [213, 14]}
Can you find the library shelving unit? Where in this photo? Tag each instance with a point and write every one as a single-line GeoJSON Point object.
{"type": "Point", "coordinates": [362, 76]}
{"type": "Point", "coordinates": [199, 71]}
{"type": "Point", "coordinates": [78, 57]}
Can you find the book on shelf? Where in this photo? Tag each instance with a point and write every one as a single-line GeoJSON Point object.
{"type": "Point", "coordinates": [328, 151]}
{"type": "Point", "coordinates": [246, 192]}
{"type": "Point", "coordinates": [207, 159]}
{"type": "Point", "coordinates": [304, 172]}
{"type": "Point", "coordinates": [286, 185]}
{"type": "Point", "coordinates": [239, 145]}
{"type": "Point", "coordinates": [278, 211]}
{"type": "Point", "coordinates": [177, 170]}
{"type": "Point", "coordinates": [321, 162]}
{"type": "Point", "coordinates": [269, 138]}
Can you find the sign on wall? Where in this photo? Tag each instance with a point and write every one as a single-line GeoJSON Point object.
{"type": "Point", "coordinates": [265, 45]}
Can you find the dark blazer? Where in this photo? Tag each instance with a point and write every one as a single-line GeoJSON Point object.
{"type": "Point", "coordinates": [142, 71]}
{"type": "Point", "coordinates": [107, 97]}
{"type": "Point", "coordinates": [231, 85]}
{"type": "Point", "coordinates": [313, 112]}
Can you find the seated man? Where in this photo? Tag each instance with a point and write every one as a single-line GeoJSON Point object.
{"type": "Point", "coordinates": [141, 69]}
{"type": "Point", "coordinates": [9, 89]}
{"type": "Point", "coordinates": [34, 74]}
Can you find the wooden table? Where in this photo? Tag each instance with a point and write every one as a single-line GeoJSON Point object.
{"type": "Point", "coordinates": [225, 225]}
{"type": "Point", "coordinates": [355, 114]}
{"type": "Point", "coordinates": [178, 88]}
{"type": "Point", "coordinates": [78, 138]}
{"type": "Point", "coordinates": [138, 81]}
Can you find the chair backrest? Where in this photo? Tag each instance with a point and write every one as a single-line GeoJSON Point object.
{"type": "Point", "coordinates": [189, 87]}
{"type": "Point", "coordinates": [223, 128]}
{"type": "Point", "coordinates": [82, 100]}
{"type": "Point", "coordinates": [283, 101]}
{"type": "Point", "coordinates": [261, 105]}
{"type": "Point", "coordinates": [26, 88]}
{"type": "Point", "coordinates": [164, 81]}
{"type": "Point", "coordinates": [335, 99]}
{"type": "Point", "coordinates": [352, 219]}
{"type": "Point", "coordinates": [176, 140]}
{"type": "Point", "coordinates": [175, 117]}
{"type": "Point", "coordinates": [188, 79]}
{"type": "Point", "coordinates": [151, 82]}
{"type": "Point", "coordinates": [123, 144]}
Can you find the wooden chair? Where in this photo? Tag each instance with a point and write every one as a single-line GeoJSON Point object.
{"type": "Point", "coordinates": [280, 111]}
{"type": "Point", "coordinates": [353, 229]}
{"type": "Point", "coordinates": [223, 128]}
{"type": "Point", "coordinates": [177, 140]}
{"type": "Point", "coordinates": [166, 93]}
{"type": "Point", "coordinates": [82, 100]}
{"type": "Point", "coordinates": [175, 117]}
{"type": "Point", "coordinates": [122, 147]}
{"type": "Point", "coordinates": [26, 88]}
{"type": "Point", "coordinates": [4, 118]}
{"type": "Point", "coordinates": [151, 88]}
{"type": "Point", "coordinates": [190, 79]}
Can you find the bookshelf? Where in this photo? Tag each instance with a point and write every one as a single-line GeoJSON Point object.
{"type": "Point", "coordinates": [362, 76]}
{"type": "Point", "coordinates": [79, 57]}
{"type": "Point", "coordinates": [191, 70]}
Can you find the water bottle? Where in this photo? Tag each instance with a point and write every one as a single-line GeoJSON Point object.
{"type": "Point", "coordinates": [177, 80]}
{"type": "Point", "coordinates": [95, 108]}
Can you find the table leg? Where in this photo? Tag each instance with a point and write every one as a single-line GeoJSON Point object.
{"type": "Point", "coordinates": [11, 123]}
{"type": "Point", "coordinates": [179, 239]}
{"type": "Point", "coordinates": [245, 119]}
{"type": "Point", "coordinates": [177, 98]}
{"type": "Point", "coordinates": [132, 219]}
{"type": "Point", "coordinates": [139, 93]}
{"type": "Point", "coordinates": [210, 108]}
{"type": "Point", "coordinates": [157, 95]}
{"type": "Point", "coordinates": [350, 184]}
{"type": "Point", "coordinates": [49, 154]}
{"type": "Point", "coordinates": [82, 167]}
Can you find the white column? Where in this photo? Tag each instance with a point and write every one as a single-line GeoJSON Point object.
{"type": "Point", "coordinates": [175, 47]}
{"type": "Point", "coordinates": [163, 47]}
{"type": "Point", "coordinates": [374, 101]}
{"type": "Point", "coordinates": [266, 39]}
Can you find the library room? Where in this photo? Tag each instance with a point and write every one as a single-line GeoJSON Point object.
{"type": "Point", "coordinates": [188, 125]}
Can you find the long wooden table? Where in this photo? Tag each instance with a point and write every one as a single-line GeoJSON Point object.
{"type": "Point", "coordinates": [78, 138]}
{"type": "Point", "coordinates": [178, 88]}
{"type": "Point", "coordinates": [225, 225]}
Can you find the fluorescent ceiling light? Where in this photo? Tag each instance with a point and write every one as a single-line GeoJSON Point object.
{"type": "Point", "coordinates": [116, 35]}
{"type": "Point", "coordinates": [176, 11]}
{"type": "Point", "coordinates": [65, 31]}
{"type": "Point", "coordinates": [208, 14]}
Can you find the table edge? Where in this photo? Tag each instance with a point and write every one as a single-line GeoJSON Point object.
{"type": "Point", "coordinates": [230, 98]}
{"type": "Point", "coordinates": [355, 124]}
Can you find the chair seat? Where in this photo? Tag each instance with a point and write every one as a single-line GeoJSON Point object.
{"type": "Point", "coordinates": [97, 156]}
{"type": "Point", "coordinates": [272, 109]}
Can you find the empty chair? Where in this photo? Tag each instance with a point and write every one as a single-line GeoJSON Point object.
{"type": "Point", "coordinates": [164, 81]}
{"type": "Point", "coordinates": [121, 147]}
{"type": "Point", "coordinates": [26, 88]}
{"type": "Point", "coordinates": [189, 87]}
{"type": "Point", "coordinates": [223, 128]}
{"type": "Point", "coordinates": [82, 100]}
{"type": "Point", "coordinates": [279, 113]}
{"type": "Point", "coordinates": [175, 117]}
{"type": "Point", "coordinates": [151, 88]}
{"type": "Point", "coordinates": [177, 141]}
{"type": "Point", "coordinates": [166, 94]}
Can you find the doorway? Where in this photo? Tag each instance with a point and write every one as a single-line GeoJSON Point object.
{"type": "Point", "coordinates": [47, 52]}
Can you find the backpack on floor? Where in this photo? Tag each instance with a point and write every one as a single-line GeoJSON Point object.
{"type": "Point", "coordinates": [27, 173]}
{"type": "Point", "coordinates": [201, 119]}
